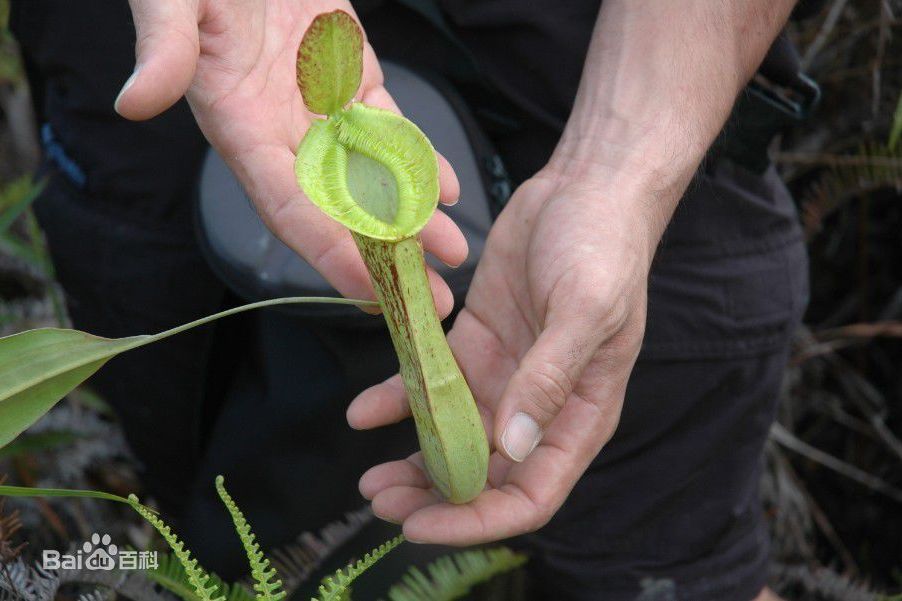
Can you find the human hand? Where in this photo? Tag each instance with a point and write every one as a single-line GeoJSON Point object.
{"type": "Point", "coordinates": [547, 338]}
{"type": "Point", "coordinates": [235, 63]}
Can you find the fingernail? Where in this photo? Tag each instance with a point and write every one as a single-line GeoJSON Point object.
{"type": "Point", "coordinates": [521, 436]}
{"type": "Point", "coordinates": [128, 84]}
{"type": "Point", "coordinates": [387, 519]}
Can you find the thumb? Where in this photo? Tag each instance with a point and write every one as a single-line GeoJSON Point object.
{"type": "Point", "coordinates": [540, 386]}
{"type": "Point", "coordinates": [166, 54]}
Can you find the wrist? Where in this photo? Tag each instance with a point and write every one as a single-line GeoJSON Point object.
{"type": "Point", "coordinates": [638, 187]}
{"type": "Point", "coordinates": [621, 205]}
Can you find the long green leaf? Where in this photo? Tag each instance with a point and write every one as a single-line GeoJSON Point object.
{"type": "Point", "coordinates": [12, 246]}
{"type": "Point", "coordinates": [16, 197]}
{"type": "Point", "coordinates": [27, 491]}
{"type": "Point", "coordinates": [39, 367]}
{"type": "Point", "coordinates": [42, 441]}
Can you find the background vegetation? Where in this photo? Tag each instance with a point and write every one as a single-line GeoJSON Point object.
{"type": "Point", "coordinates": [833, 487]}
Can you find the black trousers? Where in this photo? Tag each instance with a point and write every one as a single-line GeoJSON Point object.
{"type": "Point", "coordinates": [669, 508]}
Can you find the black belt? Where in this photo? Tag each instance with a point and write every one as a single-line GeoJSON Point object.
{"type": "Point", "coordinates": [780, 95]}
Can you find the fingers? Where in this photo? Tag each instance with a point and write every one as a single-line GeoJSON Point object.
{"type": "Point", "coordinates": [493, 515]}
{"type": "Point", "coordinates": [526, 497]}
{"type": "Point", "coordinates": [267, 175]}
{"type": "Point", "coordinates": [395, 504]}
{"type": "Point", "coordinates": [380, 405]}
{"type": "Point", "coordinates": [530, 495]}
{"type": "Point", "coordinates": [166, 54]}
{"type": "Point", "coordinates": [441, 293]}
{"type": "Point", "coordinates": [408, 472]}
{"type": "Point", "coordinates": [398, 488]}
{"type": "Point", "coordinates": [386, 403]}
{"type": "Point", "coordinates": [449, 186]}
{"type": "Point", "coordinates": [442, 238]}
{"type": "Point", "coordinates": [539, 388]}
{"type": "Point", "coordinates": [401, 493]}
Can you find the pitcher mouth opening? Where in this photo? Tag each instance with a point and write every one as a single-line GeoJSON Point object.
{"type": "Point", "coordinates": [372, 186]}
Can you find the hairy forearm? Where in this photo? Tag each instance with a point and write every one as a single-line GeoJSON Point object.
{"type": "Point", "coordinates": [660, 80]}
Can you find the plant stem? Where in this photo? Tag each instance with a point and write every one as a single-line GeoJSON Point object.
{"type": "Point", "coordinates": [448, 423]}
{"type": "Point", "coordinates": [287, 300]}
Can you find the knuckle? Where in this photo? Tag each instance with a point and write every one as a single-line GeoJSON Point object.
{"type": "Point", "coordinates": [547, 388]}
{"type": "Point", "coordinates": [609, 312]}
{"type": "Point", "coordinates": [598, 304]}
{"type": "Point", "coordinates": [173, 33]}
{"type": "Point", "coordinates": [541, 517]}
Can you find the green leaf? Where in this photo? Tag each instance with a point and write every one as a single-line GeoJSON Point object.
{"type": "Point", "coordinates": [189, 579]}
{"type": "Point", "coordinates": [452, 577]}
{"type": "Point", "coordinates": [27, 491]}
{"type": "Point", "coordinates": [266, 580]}
{"type": "Point", "coordinates": [12, 246]}
{"type": "Point", "coordinates": [42, 441]}
{"type": "Point", "coordinates": [171, 575]}
{"type": "Point", "coordinates": [337, 586]}
{"type": "Point", "coordinates": [330, 62]}
{"type": "Point", "coordinates": [15, 197]}
{"type": "Point", "coordinates": [205, 587]}
{"type": "Point", "coordinates": [4, 14]}
{"type": "Point", "coordinates": [86, 397]}
{"type": "Point", "coordinates": [40, 367]}
{"type": "Point", "coordinates": [895, 133]}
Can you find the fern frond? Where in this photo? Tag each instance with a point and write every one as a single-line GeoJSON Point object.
{"type": "Point", "coordinates": [170, 574]}
{"type": "Point", "coordinates": [873, 167]}
{"type": "Point", "coordinates": [336, 587]}
{"type": "Point", "coordinates": [266, 581]}
{"type": "Point", "coordinates": [29, 583]}
{"type": "Point", "coordinates": [197, 576]}
{"type": "Point", "coordinates": [298, 560]}
{"type": "Point", "coordinates": [95, 595]}
{"type": "Point", "coordinates": [452, 576]}
{"type": "Point", "coordinates": [127, 584]}
{"type": "Point", "coordinates": [822, 583]}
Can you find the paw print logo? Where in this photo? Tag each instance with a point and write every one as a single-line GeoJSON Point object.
{"type": "Point", "coordinates": [99, 553]}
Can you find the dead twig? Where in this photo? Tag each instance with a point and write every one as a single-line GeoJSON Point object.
{"type": "Point", "coordinates": [825, 159]}
{"type": "Point", "coordinates": [823, 34]}
{"type": "Point", "coordinates": [886, 19]}
{"type": "Point", "coordinates": [788, 440]}
{"type": "Point", "coordinates": [891, 329]}
{"type": "Point", "coordinates": [820, 517]}
{"type": "Point", "coordinates": [829, 341]}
